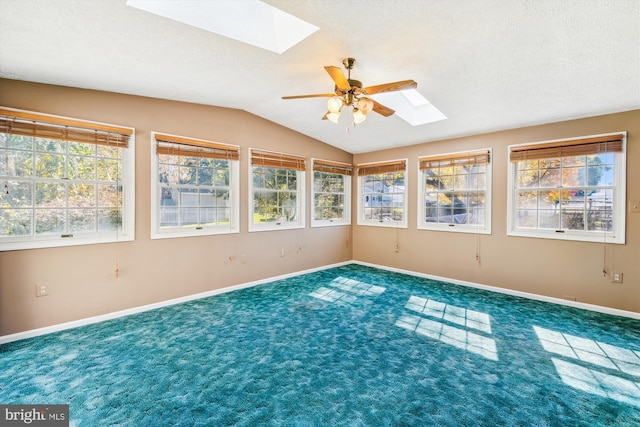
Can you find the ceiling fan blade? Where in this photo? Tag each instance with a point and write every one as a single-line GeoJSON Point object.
{"type": "Point", "coordinates": [382, 109]}
{"type": "Point", "coordinates": [390, 87]}
{"type": "Point", "coordinates": [317, 95]}
{"type": "Point", "coordinates": [338, 77]}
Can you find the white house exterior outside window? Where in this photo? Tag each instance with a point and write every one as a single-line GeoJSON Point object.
{"type": "Point", "coordinates": [64, 181]}
{"type": "Point", "coordinates": [455, 192]}
{"type": "Point", "coordinates": [276, 191]}
{"type": "Point", "coordinates": [382, 194]}
{"type": "Point", "coordinates": [572, 189]}
{"type": "Point", "coordinates": [331, 193]}
{"type": "Point", "coordinates": [195, 187]}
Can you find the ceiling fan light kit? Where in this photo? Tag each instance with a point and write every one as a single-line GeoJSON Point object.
{"type": "Point", "coordinates": [349, 92]}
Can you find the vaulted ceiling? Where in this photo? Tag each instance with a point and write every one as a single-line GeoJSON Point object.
{"type": "Point", "coordinates": [486, 64]}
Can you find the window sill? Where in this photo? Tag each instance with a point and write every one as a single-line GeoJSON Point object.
{"type": "Point", "coordinates": [329, 223]}
{"type": "Point", "coordinates": [193, 232]}
{"type": "Point", "coordinates": [596, 237]}
{"type": "Point", "coordinates": [455, 228]}
{"type": "Point", "coordinates": [78, 240]}
{"type": "Point", "coordinates": [273, 227]}
{"type": "Point", "coordinates": [386, 224]}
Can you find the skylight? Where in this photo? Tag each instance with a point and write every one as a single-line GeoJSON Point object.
{"type": "Point", "coordinates": [248, 21]}
{"type": "Point", "coordinates": [410, 106]}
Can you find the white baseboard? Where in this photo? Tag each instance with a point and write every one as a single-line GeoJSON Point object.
{"type": "Point", "coordinates": [121, 313]}
{"type": "Point", "coordinates": [116, 314]}
{"type": "Point", "coordinates": [581, 305]}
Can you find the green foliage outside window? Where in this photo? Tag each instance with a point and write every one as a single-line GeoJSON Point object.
{"type": "Point", "coordinates": [54, 186]}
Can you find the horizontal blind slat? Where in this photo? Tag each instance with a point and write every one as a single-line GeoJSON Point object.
{"type": "Point", "coordinates": [382, 167]}
{"type": "Point", "coordinates": [42, 126]}
{"type": "Point", "coordinates": [277, 160]}
{"type": "Point", "coordinates": [189, 147]}
{"type": "Point", "coordinates": [574, 147]}
{"type": "Point", "coordinates": [458, 159]}
{"type": "Point", "coordinates": [332, 167]}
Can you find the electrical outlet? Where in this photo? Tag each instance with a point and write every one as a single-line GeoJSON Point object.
{"type": "Point", "coordinates": [616, 277]}
{"type": "Point", "coordinates": [283, 252]}
{"type": "Point", "coordinates": [243, 259]}
{"type": "Point", "coordinates": [41, 290]}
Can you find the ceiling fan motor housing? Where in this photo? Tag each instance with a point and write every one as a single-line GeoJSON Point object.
{"type": "Point", "coordinates": [356, 88]}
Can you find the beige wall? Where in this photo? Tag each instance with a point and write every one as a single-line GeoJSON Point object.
{"type": "Point", "coordinates": [540, 266]}
{"type": "Point", "coordinates": [81, 279]}
{"type": "Point", "coordinates": [82, 282]}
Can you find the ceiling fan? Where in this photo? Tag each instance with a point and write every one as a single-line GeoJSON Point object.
{"type": "Point", "coordinates": [350, 92]}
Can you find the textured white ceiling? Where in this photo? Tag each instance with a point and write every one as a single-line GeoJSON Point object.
{"type": "Point", "coordinates": [487, 65]}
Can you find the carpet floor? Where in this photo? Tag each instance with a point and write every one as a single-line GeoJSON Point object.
{"type": "Point", "coordinates": [347, 346]}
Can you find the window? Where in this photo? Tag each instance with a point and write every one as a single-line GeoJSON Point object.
{"type": "Point", "coordinates": [194, 187]}
{"type": "Point", "coordinates": [570, 189]}
{"type": "Point", "coordinates": [331, 193]}
{"type": "Point", "coordinates": [382, 197]}
{"type": "Point", "coordinates": [64, 182]}
{"type": "Point", "coordinates": [277, 191]}
{"type": "Point", "coordinates": [456, 192]}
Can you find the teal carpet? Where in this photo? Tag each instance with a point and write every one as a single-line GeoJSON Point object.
{"type": "Point", "coordinates": [349, 346]}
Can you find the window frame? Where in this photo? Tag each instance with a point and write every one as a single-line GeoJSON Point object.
{"type": "Point", "coordinates": [126, 184]}
{"type": "Point", "coordinates": [617, 233]}
{"type": "Point", "coordinates": [158, 232]}
{"type": "Point", "coordinates": [346, 220]}
{"type": "Point", "coordinates": [361, 193]}
{"type": "Point", "coordinates": [300, 191]}
{"type": "Point", "coordinates": [485, 228]}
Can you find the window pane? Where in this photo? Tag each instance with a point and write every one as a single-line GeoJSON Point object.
{"type": "Point", "coordinates": [82, 220]}
{"type": "Point", "coordinates": [16, 141]}
{"type": "Point", "coordinates": [549, 219]}
{"type": "Point", "coordinates": [549, 199]}
{"type": "Point", "coordinates": [169, 217]}
{"type": "Point", "coordinates": [83, 149]}
{"type": "Point", "coordinates": [550, 177]}
{"type": "Point", "coordinates": [527, 199]}
{"type": "Point", "coordinates": [189, 217]}
{"type": "Point", "coordinates": [50, 221]}
{"type": "Point", "coordinates": [50, 194]}
{"type": "Point", "coordinates": [109, 219]}
{"type": "Point", "coordinates": [81, 168]}
{"type": "Point", "coordinates": [15, 222]}
{"type": "Point", "coordinates": [16, 163]}
{"type": "Point", "coordinates": [108, 151]}
{"type": "Point", "coordinates": [527, 218]}
{"type": "Point", "coordinates": [50, 166]}
{"type": "Point", "coordinates": [476, 215]}
{"type": "Point", "coordinates": [82, 195]}
{"type": "Point", "coordinates": [188, 175]}
{"type": "Point", "coordinates": [206, 197]}
{"type": "Point", "coordinates": [572, 220]}
{"type": "Point", "coordinates": [108, 196]}
{"type": "Point", "coordinates": [573, 176]}
{"type": "Point", "coordinates": [600, 175]}
{"type": "Point", "coordinates": [16, 194]}
{"type": "Point", "coordinates": [528, 178]}
{"type": "Point", "coordinates": [108, 170]}
{"type": "Point", "coordinates": [169, 174]}
{"type": "Point", "coordinates": [206, 175]}
{"type": "Point", "coordinates": [50, 145]}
